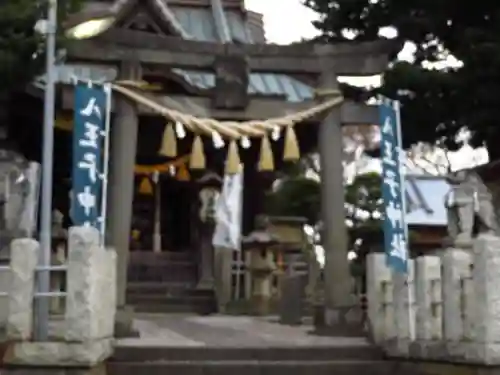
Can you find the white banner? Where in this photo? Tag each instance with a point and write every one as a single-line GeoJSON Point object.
{"type": "Point", "coordinates": [228, 214]}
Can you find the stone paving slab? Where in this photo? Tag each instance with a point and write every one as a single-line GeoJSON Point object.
{"type": "Point", "coordinates": [227, 331]}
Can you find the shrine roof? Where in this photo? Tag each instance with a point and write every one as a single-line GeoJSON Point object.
{"type": "Point", "coordinates": [425, 200]}
{"type": "Point", "coordinates": [199, 24]}
{"type": "Point", "coordinates": [194, 20]}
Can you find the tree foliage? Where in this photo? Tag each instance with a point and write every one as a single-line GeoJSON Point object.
{"type": "Point", "coordinates": [296, 196]}
{"type": "Point", "coordinates": [436, 103]}
{"type": "Point", "coordinates": [21, 48]}
{"type": "Point", "coordinates": [301, 196]}
{"type": "Point", "coordinates": [364, 211]}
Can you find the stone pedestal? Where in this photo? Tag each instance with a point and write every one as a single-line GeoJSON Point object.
{"type": "Point", "coordinates": [291, 299]}
{"type": "Point", "coordinates": [261, 293]}
{"type": "Point", "coordinates": [30, 358]}
{"type": "Point", "coordinates": [207, 281]}
{"type": "Point", "coordinates": [223, 277]}
{"type": "Point", "coordinates": [261, 267]}
{"type": "Point", "coordinates": [57, 354]}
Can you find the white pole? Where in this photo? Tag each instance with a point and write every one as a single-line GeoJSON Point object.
{"type": "Point", "coordinates": [411, 321]}
{"type": "Point", "coordinates": [239, 252]}
{"type": "Point", "coordinates": [157, 213]}
{"type": "Point", "coordinates": [105, 172]}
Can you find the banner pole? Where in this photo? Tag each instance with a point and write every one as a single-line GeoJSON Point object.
{"type": "Point", "coordinates": [41, 304]}
{"type": "Point", "coordinates": [107, 129]}
{"type": "Point", "coordinates": [411, 320]}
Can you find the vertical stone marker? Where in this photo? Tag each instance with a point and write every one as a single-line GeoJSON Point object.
{"type": "Point", "coordinates": [91, 287]}
{"type": "Point", "coordinates": [456, 266]}
{"type": "Point", "coordinates": [404, 309]}
{"type": "Point", "coordinates": [380, 307]}
{"type": "Point", "coordinates": [486, 307]}
{"type": "Point", "coordinates": [428, 323]}
{"type": "Point", "coordinates": [24, 258]}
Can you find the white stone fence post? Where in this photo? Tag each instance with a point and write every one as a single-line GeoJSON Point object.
{"type": "Point", "coordinates": [85, 335]}
{"type": "Point", "coordinates": [457, 305]}
{"type": "Point", "coordinates": [21, 288]}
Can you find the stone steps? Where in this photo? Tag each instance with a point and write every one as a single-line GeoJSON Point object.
{"type": "Point", "coordinates": [191, 301]}
{"type": "Point", "coordinates": [332, 367]}
{"type": "Point", "coordinates": [224, 353]}
{"type": "Point", "coordinates": [166, 283]}
{"type": "Point", "coordinates": [164, 267]}
{"type": "Point", "coordinates": [317, 360]}
{"type": "Point", "coordinates": [166, 289]}
{"type": "Point", "coordinates": [164, 271]}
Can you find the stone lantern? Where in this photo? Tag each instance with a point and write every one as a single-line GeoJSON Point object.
{"type": "Point", "coordinates": [293, 250]}
{"type": "Point", "coordinates": [261, 244]}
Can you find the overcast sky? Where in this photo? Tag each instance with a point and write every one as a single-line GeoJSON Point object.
{"type": "Point", "coordinates": [286, 20]}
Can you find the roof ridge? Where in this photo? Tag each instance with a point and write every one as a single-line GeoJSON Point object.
{"type": "Point", "coordinates": [121, 8]}
{"type": "Point", "coordinates": [170, 17]}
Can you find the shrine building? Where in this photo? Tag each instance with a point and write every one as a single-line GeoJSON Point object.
{"type": "Point", "coordinates": [196, 92]}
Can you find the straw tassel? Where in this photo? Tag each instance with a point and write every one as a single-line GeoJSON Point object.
{"type": "Point", "coordinates": [169, 142]}
{"type": "Point", "coordinates": [266, 162]}
{"type": "Point", "coordinates": [197, 160]}
{"type": "Point", "coordinates": [292, 149]}
{"type": "Point", "coordinates": [233, 160]}
{"type": "Point", "coordinates": [145, 188]}
{"type": "Point", "coordinates": [183, 173]}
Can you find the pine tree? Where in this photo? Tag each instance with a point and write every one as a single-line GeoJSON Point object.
{"type": "Point", "coordinates": [436, 104]}
{"type": "Point", "coordinates": [22, 49]}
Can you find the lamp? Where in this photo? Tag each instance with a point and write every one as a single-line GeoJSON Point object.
{"type": "Point", "coordinates": [90, 22]}
{"type": "Point", "coordinates": [90, 28]}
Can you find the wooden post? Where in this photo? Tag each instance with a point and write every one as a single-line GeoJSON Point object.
{"type": "Point", "coordinates": [337, 279]}
{"type": "Point", "coordinates": [121, 184]}
{"type": "Point", "coordinates": [206, 266]}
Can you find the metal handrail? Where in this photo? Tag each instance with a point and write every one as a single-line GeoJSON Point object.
{"type": "Point", "coordinates": [54, 268]}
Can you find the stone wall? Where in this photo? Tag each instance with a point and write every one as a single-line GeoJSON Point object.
{"type": "Point", "coordinates": [85, 336]}
{"type": "Point", "coordinates": [454, 310]}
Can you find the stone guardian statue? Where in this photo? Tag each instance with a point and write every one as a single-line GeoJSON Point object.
{"type": "Point", "coordinates": [468, 202]}
{"type": "Point", "coordinates": [460, 203]}
{"type": "Point", "coordinates": [485, 215]}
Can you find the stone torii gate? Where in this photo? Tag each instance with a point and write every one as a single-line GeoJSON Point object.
{"type": "Point", "coordinates": [133, 50]}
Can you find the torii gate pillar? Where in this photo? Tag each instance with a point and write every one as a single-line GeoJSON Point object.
{"type": "Point", "coordinates": [124, 133]}
{"type": "Point", "coordinates": [340, 313]}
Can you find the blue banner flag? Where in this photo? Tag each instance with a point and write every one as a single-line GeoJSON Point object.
{"type": "Point", "coordinates": [393, 188]}
{"type": "Point", "coordinates": [90, 111]}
